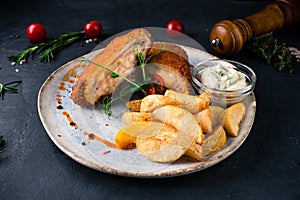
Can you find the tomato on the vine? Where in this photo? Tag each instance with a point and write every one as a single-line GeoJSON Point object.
{"type": "Point", "coordinates": [173, 26]}
{"type": "Point", "coordinates": [93, 29]}
{"type": "Point", "coordinates": [36, 32]}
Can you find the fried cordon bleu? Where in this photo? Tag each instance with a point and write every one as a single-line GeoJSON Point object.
{"type": "Point", "coordinates": [120, 56]}
{"type": "Point", "coordinates": [172, 56]}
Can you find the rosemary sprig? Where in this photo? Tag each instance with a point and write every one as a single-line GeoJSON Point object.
{"type": "Point", "coordinates": [46, 50]}
{"type": "Point", "coordinates": [268, 47]}
{"type": "Point", "coordinates": [8, 88]}
{"type": "Point", "coordinates": [2, 141]}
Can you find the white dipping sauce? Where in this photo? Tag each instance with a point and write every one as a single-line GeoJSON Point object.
{"type": "Point", "coordinates": [223, 78]}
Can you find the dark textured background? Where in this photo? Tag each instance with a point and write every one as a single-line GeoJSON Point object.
{"type": "Point", "coordinates": [267, 165]}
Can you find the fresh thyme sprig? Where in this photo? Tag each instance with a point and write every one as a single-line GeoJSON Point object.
{"type": "Point", "coordinates": [268, 47]}
{"type": "Point", "coordinates": [2, 141]}
{"type": "Point", "coordinates": [47, 50]}
{"type": "Point", "coordinates": [8, 88]}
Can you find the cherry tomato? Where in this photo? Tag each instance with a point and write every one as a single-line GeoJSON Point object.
{"type": "Point", "coordinates": [159, 81]}
{"type": "Point", "coordinates": [93, 29]}
{"type": "Point", "coordinates": [36, 32]}
{"type": "Point", "coordinates": [173, 26]}
{"type": "Point", "coordinates": [150, 89]}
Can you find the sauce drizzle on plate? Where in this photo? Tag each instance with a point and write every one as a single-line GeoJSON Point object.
{"type": "Point", "coordinates": [92, 136]}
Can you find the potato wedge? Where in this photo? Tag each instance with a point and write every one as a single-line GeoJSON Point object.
{"type": "Point", "coordinates": [132, 117]}
{"type": "Point", "coordinates": [204, 119]}
{"type": "Point", "coordinates": [214, 142]}
{"type": "Point", "coordinates": [126, 136]}
{"type": "Point", "coordinates": [164, 147]}
{"type": "Point", "coordinates": [195, 152]}
{"type": "Point", "coordinates": [146, 129]}
{"type": "Point", "coordinates": [124, 140]}
{"type": "Point", "coordinates": [181, 119]}
{"type": "Point", "coordinates": [234, 115]}
{"type": "Point", "coordinates": [217, 115]}
{"type": "Point", "coordinates": [151, 102]}
{"type": "Point", "coordinates": [134, 105]}
{"type": "Point", "coordinates": [191, 103]}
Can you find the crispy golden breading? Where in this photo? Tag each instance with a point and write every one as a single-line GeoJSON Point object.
{"type": "Point", "coordinates": [170, 62]}
{"type": "Point", "coordinates": [234, 115]}
{"type": "Point", "coordinates": [172, 56]}
{"type": "Point", "coordinates": [119, 56]}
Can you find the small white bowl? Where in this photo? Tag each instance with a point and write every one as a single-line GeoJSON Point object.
{"type": "Point", "coordinates": [224, 97]}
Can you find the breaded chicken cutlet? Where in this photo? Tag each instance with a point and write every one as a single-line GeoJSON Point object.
{"type": "Point", "coordinates": [172, 56]}
{"type": "Point", "coordinates": [170, 62]}
{"type": "Point", "coordinates": [120, 56]}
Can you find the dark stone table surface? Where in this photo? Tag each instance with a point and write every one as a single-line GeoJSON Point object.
{"type": "Point", "coordinates": [266, 166]}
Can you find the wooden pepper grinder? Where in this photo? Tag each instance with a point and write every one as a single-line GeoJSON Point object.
{"type": "Point", "coordinates": [228, 37]}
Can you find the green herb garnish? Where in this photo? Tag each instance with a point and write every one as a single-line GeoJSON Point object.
{"type": "Point", "coordinates": [142, 60]}
{"type": "Point", "coordinates": [46, 50]}
{"type": "Point", "coordinates": [105, 105]}
{"type": "Point", "coordinates": [107, 101]}
{"type": "Point", "coordinates": [267, 47]}
{"type": "Point", "coordinates": [8, 88]}
{"type": "Point", "coordinates": [113, 73]}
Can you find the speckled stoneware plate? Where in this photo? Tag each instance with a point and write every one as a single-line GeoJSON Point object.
{"type": "Point", "coordinates": [87, 135]}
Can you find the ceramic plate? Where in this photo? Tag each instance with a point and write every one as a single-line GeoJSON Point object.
{"type": "Point", "coordinates": [87, 134]}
